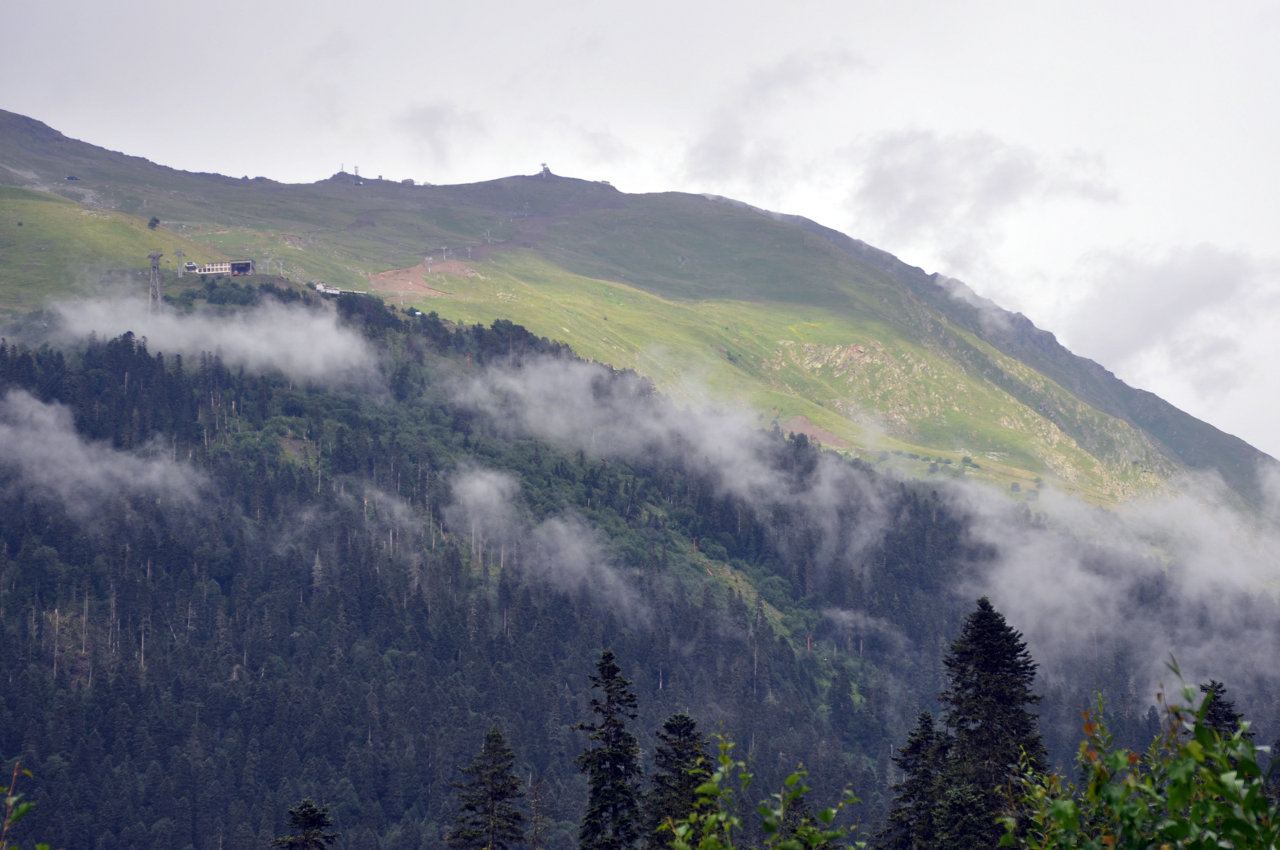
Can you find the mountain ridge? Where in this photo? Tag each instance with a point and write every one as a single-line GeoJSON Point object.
{"type": "Point", "coordinates": [581, 261]}
{"type": "Point", "coordinates": [1018, 336]}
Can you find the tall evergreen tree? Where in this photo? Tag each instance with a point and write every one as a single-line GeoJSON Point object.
{"type": "Point", "coordinates": [990, 675]}
{"type": "Point", "coordinates": [611, 762]}
{"type": "Point", "coordinates": [487, 817]}
{"type": "Point", "coordinates": [911, 822]}
{"type": "Point", "coordinates": [1220, 715]}
{"type": "Point", "coordinates": [958, 776]}
{"type": "Point", "coordinates": [680, 761]}
{"type": "Point", "coordinates": [309, 823]}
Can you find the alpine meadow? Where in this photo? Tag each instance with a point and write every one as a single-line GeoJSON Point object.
{"type": "Point", "coordinates": [534, 514]}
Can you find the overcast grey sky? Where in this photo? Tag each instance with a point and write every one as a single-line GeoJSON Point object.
{"type": "Point", "coordinates": [1109, 169]}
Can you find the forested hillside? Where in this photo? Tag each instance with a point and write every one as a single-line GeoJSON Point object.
{"type": "Point", "coordinates": [223, 591]}
{"type": "Point", "coordinates": [227, 584]}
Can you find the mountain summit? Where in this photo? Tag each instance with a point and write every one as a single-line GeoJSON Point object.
{"type": "Point", "coordinates": [813, 331]}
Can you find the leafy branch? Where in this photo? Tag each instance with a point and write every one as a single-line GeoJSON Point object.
{"type": "Point", "coordinates": [1195, 787]}
{"type": "Point", "coordinates": [785, 821]}
{"type": "Point", "coordinates": [15, 809]}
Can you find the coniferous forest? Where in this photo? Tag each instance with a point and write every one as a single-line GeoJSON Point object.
{"type": "Point", "coordinates": [227, 589]}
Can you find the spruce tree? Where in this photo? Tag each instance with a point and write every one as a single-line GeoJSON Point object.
{"type": "Point", "coordinates": [680, 766]}
{"type": "Point", "coordinates": [1220, 714]}
{"type": "Point", "coordinates": [487, 817]}
{"type": "Point", "coordinates": [958, 777]}
{"type": "Point", "coordinates": [611, 762]}
{"type": "Point", "coordinates": [990, 675]}
{"type": "Point", "coordinates": [309, 823]}
{"type": "Point", "coordinates": [911, 822]}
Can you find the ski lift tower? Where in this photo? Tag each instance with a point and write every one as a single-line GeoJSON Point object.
{"type": "Point", "coordinates": [154, 257]}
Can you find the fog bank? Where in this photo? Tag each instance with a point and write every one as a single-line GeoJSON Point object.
{"type": "Point", "coordinates": [305, 344]}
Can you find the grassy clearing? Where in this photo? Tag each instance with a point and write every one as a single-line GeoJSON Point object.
{"type": "Point", "coordinates": [54, 248]}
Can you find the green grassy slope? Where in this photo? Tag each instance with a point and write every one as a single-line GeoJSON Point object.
{"type": "Point", "coordinates": [52, 247]}
{"type": "Point", "coordinates": [710, 298]}
{"type": "Point", "coordinates": [1185, 440]}
{"type": "Point", "coordinates": [860, 381]}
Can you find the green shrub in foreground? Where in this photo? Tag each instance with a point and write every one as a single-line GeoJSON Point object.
{"type": "Point", "coordinates": [784, 816]}
{"type": "Point", "coordinates": [1193, 788]}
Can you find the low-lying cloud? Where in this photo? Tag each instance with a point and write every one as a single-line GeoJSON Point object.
{"type": "Point", "coordinates": [304, 344]}
{"type": "Point", "coordinates": [564, 551]}
{"type": "Point", "coordinates": [41, 453]}
{"type": "Point", "coordinates": [1186, 574]}
{"type": "Point", "coordinates": [853, 628]}
{"type": "Point", "coordinates": [994, 318]}
{"type": "Point", "coordinates": [483, 504]}
{"type": "Point", "coordinates": [585, 406]}
{"type": "Point", "coordinates": [570, 554]}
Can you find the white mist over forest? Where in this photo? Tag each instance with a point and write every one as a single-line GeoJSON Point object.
{"type": "Point", "coordinates": [1187, 575]}
{"type": "Point", "coordinates": [305, 344]}
{"type": "Point", "coordinates": [562, 550]}
{"type": "Point", "coordinates": [46, 457]}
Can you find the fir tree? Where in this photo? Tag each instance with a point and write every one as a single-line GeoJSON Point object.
{"type": "Point", "coordinates": [487, 817]}
{"type": "Point", "coordinates": [309, 823]}
{"type": "Point", "coordinates": [612, 764]}
{"type": "Point", "coordinates": [911, 822]}
{"type": "Point", "coordinates": [990, 729]}
{"type": "Point", "coordinates": [958, 777]}
{"type": "Point", "coordinates": [679, 768]}
{"type": "Point", "coordinates": [1220, 714]}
